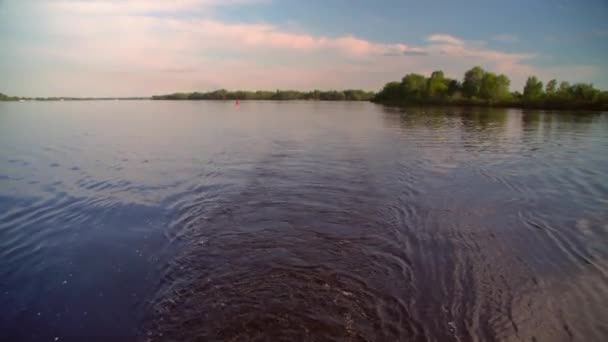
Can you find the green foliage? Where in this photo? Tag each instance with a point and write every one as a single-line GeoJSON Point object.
{"type": "Point", "coordinates": [392, 91]}
{"type": "Point", "coordinates": [488, 89]}
{"type": "Point", "coordinates": [278, 95]}
{"type": "Point", "coordinates": [414, 86]}
{"type": "Point", "coordinates": [583, 92]}
{"type": "Point", "coordinates": [478, 88]}
{"type": "Point", "coordinates": [357, 95]}
{"type": "Point", "coordinates": [4, 97]}
{"type": "Point", "coordinates": [437, 85]}
{"type": "Point", "coordinates": [454, 88]}
{"type": "Point", "coordinates": [533, 90]}
{"type": "Point", "coordinates": [494, 88]}
{"type": "Point", "coordinates": [502, 88]}
{"type": "Point", "coordinates": [471, 86]}
{"type": "Point", "coordinates": [551, 87]}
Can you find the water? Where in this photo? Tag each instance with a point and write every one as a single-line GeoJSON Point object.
{"type": "Point", "coordinates": [301, 221]}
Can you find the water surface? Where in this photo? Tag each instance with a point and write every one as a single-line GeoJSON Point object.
{"type": "Point", "coordinates": [301, 221]}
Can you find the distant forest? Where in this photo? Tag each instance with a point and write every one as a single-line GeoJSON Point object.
{"type": "Point", "coordinates": [8, 98]}
{"type": "Point", "coordinates": [484, 88]}
{"type": "Point", "coordinates": [477, 88]}
{"type": "Point", "coordinates": [279, 95]}
{"type": "Point", "coordinates": [4, 97]}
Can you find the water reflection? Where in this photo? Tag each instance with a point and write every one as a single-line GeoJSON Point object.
{"type": "Point", "coordinates": [517, 237]}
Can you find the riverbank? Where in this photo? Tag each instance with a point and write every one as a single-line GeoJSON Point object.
{"type": "Point", "coordinates": [6, 98]}
{"type": "Point", "coordinates": [503, 104]}
{"type": "Point", "coordinates": [278, 95]}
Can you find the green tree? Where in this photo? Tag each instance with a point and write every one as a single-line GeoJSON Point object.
{"type": "Point", "coordinates": [551, 87]}
{"type": "Point", "coordinates": [437, 85]}
{"type": "Point", "coordinates": [392, 91]}
{"type": "Point", "coordinates": [533, 90]}
{"type": "Point", "coordinates": [487, 88]}
{"type": "Point", "coordinates": [454, 87]}
{"type": "Point", "coordinates": [583, 92]}
{"type": "Point", "coordinates": [502, 87]}
{"type": "Point", "coordinates": [414, 86]}
{"type": "Point", "coordinates": [4, 97]}
{"type": "Point", "coordinates": [494, 88]}
{"type": "Point", "coordinates": [471, 85]}
{"type": "Point", "coordinates": [357, 95]}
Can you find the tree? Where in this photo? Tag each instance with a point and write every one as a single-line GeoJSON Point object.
{"type": "Point", "coordinates": [437, 85]}
{"type": "Point", "coordinates": [551, 87]}
{"type": "Point", "coordinates": [414, 86]}
{"type": "Point", "coordinates": [533, 90]}
{"type": "Point", "coordinates": [454, 87]}
{"type": "Point", "coordinates": [4, 97]}
{"type": "Point", "coordinates": [488, 86]}
{"type": "Point", "coordinates": [392, 91]}
{"type": "Point", "coordinates": [583, 92]}
{"type": "Point", "coordinates": [357, 95]}
{"type": "Point", "coordinates": [516, 95]}
{"type": "Point", "coordinates": [502, 87]}
{"type": "Point", "coordinates": [472, 82]}
{"type": "Point", "coordinates": [333, 95]}
{"type": "Point", "coordinates": [494, 88]}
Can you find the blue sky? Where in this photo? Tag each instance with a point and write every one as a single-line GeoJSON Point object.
{"type": "Point", "coordinates": [137, 47]}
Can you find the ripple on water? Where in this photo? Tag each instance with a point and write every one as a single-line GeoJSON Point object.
{"type": "Point", "coordinates": [283, 262]}
{"type": "Point", "coordinates": [340, 222]}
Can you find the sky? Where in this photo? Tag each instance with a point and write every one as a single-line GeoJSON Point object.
{"type": "Point", "coordinates": [141, 48]}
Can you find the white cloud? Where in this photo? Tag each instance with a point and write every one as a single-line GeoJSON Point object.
{"type": "Point", "coordinates": [445, 38]}
{"type": "Point", "coordinates": [114, 48]}
{"type": "Point", "coordinates": [104, 7]}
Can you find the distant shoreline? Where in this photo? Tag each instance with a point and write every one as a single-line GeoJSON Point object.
{"type": "Point", "coordinates": [479, 88]}
{"type": "Point", "coordinates": [278, 95]}
{"type": "Point", "coordinates": [395, 104]}
{"type": "Point", "coordinates": [4, 98]}
{"type": "Point", "coordinates": [482, 104]}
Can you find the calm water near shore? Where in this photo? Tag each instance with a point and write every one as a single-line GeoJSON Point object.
{"type": "Point", "coordinates": [314, 221]}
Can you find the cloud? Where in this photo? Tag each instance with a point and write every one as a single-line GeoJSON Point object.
{"type": "Point", "coordinates": [445, 38]}
{"type": "Point", "coordinates": [506, 38]}
{"type": "Point", "coordinates": [126, 34]}
{"type": "Point", "coordinates": [413, 52]}
{"type": "Point", "coordinates": [104, 7]}
{"type": "Point", "coordinates": [129, 48]}
{"type": "Point", "coordinates": [453, 47]}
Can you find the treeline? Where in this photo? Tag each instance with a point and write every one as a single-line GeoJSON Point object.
{"type": "Point", "coordinates": [4, 97]}
{"type": "Point", "coordinates": [279, 95]}
{"type": "Point", "coordinates": [484, 88]}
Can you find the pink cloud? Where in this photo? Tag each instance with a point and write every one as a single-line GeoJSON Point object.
{"type": "Point", "coordinates": [115, 42]}
{"type": "Point", "coordinates": [104, 7]}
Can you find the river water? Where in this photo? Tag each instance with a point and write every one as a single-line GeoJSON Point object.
{"type": "Point", "coordinates": [312, 221]}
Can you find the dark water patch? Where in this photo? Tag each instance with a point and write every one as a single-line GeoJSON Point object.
{"type": "Point", "coordinates": [280, 261]}
{"type": "Point", "coordinates": [71, 263]}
